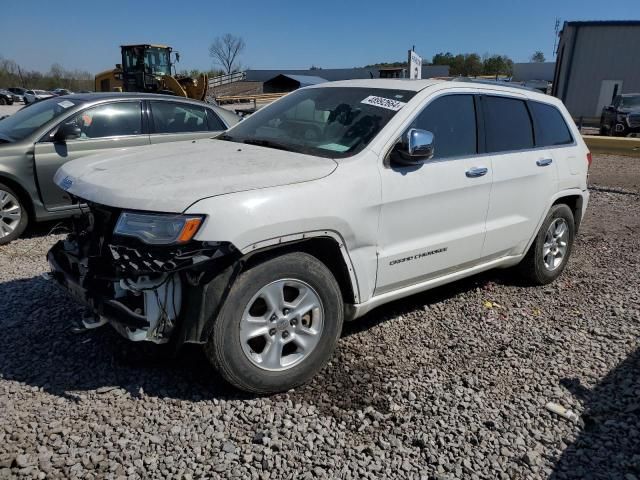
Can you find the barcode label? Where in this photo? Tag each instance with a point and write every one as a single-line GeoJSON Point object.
{"type": "Point", "coordinates": [387, 103]}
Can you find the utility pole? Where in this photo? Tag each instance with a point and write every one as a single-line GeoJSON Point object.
{"type": "Point", "coordinates": [555, 40]}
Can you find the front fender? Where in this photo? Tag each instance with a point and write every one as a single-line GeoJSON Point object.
{"type": "Point", "coordinates": [342, 207]}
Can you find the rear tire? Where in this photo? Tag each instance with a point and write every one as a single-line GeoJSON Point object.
{"type": "Point", "coordinates": [550, 251]}
{"type": "Point", "coordinates": [14, 217]}
{"type": "Point", "coordinates": [279, 325]}
{"type": "Point", "coordinates": [3, 101]}
{"type": "Point", "coordinates": [603, 130]}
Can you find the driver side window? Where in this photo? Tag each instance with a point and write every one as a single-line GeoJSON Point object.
{"type": "Point", "coordinates": [452, 120]}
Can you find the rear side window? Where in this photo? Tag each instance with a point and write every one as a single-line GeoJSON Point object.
{"type": "Point", "coordinates": [551, 129]}
{"type": "Point", "coordinates": [452, 120]}
{"type": "Point", "coordinates": [171, 117]}
{"type": "Point", "coordinates": [507, 124]}
{"type": "Point", "coordinates": [215, 124]}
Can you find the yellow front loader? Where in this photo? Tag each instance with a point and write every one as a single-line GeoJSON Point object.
{"type": "Point", "coordinates": [147, 68]}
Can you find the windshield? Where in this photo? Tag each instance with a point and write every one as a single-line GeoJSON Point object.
{"type": "Point", "coordinates": [29, 119]}
{"type": "Point", "coordinates": [154, 59]}
{"type": "Point", "coordinates": [631, 102]}
{"type": "Point", "coordinates": [158, 60]}
{"type": "Point", "coordinates": [333, 122]}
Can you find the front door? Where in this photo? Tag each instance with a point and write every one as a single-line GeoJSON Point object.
{"type": "Point", "coordinates": [106, 126]}
{"type": "Point", "coordinates": [433, 216]}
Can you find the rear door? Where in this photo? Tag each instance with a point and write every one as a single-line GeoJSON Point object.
{"type": "Point", "coordinates": [176, 121]}
{"type": "Point", "coordinates": [106, 126]}
{"type": "Point", "coordinates": [524, 176]}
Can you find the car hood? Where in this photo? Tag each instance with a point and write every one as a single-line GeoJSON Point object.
{"type": "Point", "coordinates": [169, 177]}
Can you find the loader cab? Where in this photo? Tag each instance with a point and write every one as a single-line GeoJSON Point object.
{"type": "Point", "coordinates": [143, 66]}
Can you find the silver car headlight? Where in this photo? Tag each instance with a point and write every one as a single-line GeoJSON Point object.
{"type": "Point", "coordinates": [158, 229]}
{"type": "Point", "coordinates": [621, 117]}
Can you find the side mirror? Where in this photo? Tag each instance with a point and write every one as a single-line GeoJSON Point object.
{"type": "Point", "coordinates": [67, 131]}
{"type": "Point", "coordinates": [415, 147]}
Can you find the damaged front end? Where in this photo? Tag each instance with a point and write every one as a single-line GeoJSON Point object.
{"type": "Point", "coordinates": [145, 291]}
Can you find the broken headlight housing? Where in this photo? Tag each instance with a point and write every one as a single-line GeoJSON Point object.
{"type": "Point", "coordinates": [158, 229]}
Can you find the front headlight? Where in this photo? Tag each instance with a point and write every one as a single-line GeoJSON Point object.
{"type": "Point", "coordinates": [622, 117]}
{"type": "Point", "coordinates": [158, 229]}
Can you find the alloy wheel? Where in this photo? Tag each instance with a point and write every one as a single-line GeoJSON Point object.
{"type": "Point", "coordinates": [282, 324]}
{"type": "Point", "coordinates": [10, 213]}
{"type": "Point", "coordinates": [555, 245]}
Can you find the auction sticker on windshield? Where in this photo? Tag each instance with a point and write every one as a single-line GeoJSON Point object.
{"type": "Point", "coordinates": [387, 103]}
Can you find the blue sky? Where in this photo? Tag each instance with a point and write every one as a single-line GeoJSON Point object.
{"type": "Point", "coordinates": [289, 34]}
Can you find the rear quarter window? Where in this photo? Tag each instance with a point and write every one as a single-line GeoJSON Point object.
{"type": "Point", "coordinates": [551, 129]}
{"type": "Point", "coordinates": [508, 124]}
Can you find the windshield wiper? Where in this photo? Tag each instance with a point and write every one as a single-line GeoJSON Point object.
{"type": "Point", "coordinates": [271, 144]}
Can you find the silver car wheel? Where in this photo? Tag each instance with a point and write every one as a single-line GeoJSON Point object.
{"type": "Point", "coordinates": [10, 213]}
{"type": "Point", "coordinates": [555, 245]}
{"type": "Point", "coordinates": [281, 325]}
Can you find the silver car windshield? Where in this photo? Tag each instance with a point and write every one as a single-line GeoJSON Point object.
{"type": "Point", "coordinates": [333, 122]}
{"type": "Point", "coordinates": [32, 117]}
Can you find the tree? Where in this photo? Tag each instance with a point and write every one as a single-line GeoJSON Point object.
{"type": "Point", "coordinates": [497, 65]}
{"type": "Point", "coordinates": [467, 64]}
{"type": "Point", "coordinates": [538, 57]}
{"type": "Point", "coordinates": [225, 51]}
{"type": "Point", "coordinates": [442, 59]}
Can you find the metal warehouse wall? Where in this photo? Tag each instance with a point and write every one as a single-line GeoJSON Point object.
{"type": "Point", "coordinates": [602, 52]}
{"type": "Point", "coordinates": [533, 71]}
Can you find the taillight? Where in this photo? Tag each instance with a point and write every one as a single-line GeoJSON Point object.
{"type": "Point", "coordinates": [589, 160]}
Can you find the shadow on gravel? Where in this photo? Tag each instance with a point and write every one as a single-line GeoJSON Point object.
{"type": "Point", "coordinates": [609, 444]}
{"type": "Point", "coordinates": [39, 348]}
{"type": "Point", "coordinates": [50, 227]}
{"type": "Point", "coordinates": [408, 304]}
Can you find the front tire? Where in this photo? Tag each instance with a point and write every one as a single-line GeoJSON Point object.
{"type": "Point", "coordinates": [550, 251]}
{"type": "Point", "coordinates": [279, 325]}
{"type": "Point", "coordinates": [13, 215]}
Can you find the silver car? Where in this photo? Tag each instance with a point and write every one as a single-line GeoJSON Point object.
{"type": "Point", "coordinates": [38, 139]}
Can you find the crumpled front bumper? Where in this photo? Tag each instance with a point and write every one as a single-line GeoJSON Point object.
{"type": "Point", "coordinates": [140, 290]}
{"type": "Point", "coordinates": [103, 304]}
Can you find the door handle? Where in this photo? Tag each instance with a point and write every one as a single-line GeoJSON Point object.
{"type": "Point", "coordinates": [474, 172]}
{"type": "Point", "coordinates": [544, 162]}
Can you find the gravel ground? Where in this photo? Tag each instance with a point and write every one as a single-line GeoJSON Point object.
{"type": "Point", "coordinates": [448, 384]}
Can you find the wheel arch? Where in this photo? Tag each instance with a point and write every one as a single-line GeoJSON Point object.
{"type": "Point", "coordinates": [575, 202]}
{"type": "Point", "coordinates": [574, 198]}
{"type": "Point", "coordinates": [205, 300]}
{"type": "Point", "coordinates": [326, 246]}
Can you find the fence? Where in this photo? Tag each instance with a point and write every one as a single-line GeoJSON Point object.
{"type": "Point", "coordinates": [229, 78]}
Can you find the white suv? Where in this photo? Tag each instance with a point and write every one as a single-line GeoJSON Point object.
{"type": "Point", "coordinates": [327, 203]}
